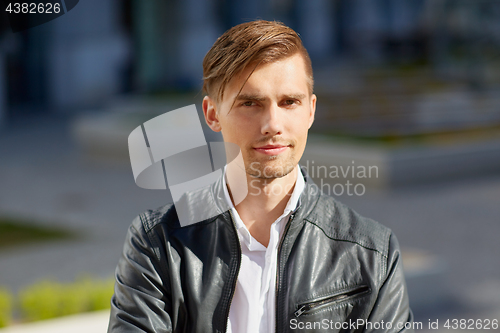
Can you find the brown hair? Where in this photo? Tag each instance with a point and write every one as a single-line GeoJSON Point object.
{"type": "Point", "coordinates": [256, 42]}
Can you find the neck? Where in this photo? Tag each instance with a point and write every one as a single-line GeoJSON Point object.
{"type": "Point", "coordinates": [267, 194]}
{"type": "Point", "coordinates": [265, 202]}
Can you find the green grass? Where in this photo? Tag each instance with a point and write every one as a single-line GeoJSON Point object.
{"type": "Point", "coordinates": [49, 299]}
{"type": "Point", "coordinates": [16, 232]}
{"type": "Point", "coordinates": [6, 307]}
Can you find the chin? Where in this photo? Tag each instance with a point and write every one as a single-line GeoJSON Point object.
{"type": "Point", "coordinates": [271, 169]}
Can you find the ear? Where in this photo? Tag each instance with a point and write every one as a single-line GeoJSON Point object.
{"type": "Point", "coordinates": [211, 114]}
{"type": "Point", "coordinates": [313, 110]}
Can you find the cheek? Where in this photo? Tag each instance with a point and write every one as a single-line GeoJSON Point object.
{"type": "Point", "coordinates": [301, 137]}
{"type": "Point", "coordinates": [300, 126]}
{"type": "Point", "coordinates": [241, 126]}
{"type": "Point", "coordinates": [235, 132]}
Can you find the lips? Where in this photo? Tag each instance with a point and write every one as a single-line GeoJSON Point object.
{"type": "Point", "coordinates": [271, 149]}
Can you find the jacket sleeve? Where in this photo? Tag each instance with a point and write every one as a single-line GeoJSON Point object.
{"type": "Point", "coordinates": [392, 305]}
{"type": "Point", "coordinates": [141, 300]}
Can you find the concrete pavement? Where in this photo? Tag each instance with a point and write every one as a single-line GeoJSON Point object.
{"type": "Point", "coordinates": [93, 322]}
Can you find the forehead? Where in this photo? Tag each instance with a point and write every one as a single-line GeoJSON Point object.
{"type": "Point", "coordinates": [285, 74]}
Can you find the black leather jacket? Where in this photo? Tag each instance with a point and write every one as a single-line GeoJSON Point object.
{"type": "Point", "coordinates": [335, 268]}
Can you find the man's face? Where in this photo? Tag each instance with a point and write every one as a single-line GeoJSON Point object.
{"type": "Point", "coordinates": [270, 116]}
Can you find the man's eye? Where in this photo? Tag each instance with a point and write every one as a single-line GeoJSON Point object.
{"type": "Point", "coordinates": [290, 102]}
{"type": "Point", "coordinates": [248, 103]}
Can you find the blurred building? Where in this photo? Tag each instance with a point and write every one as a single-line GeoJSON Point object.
{"type": "Point", "coordinates": [172, 37]}
{"type": "Point", "coordinates": [71, 62]}
{"type": "Point", "coordinates": [109, 47]}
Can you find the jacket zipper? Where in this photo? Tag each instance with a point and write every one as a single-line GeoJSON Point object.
{"type": "Point", "coordinates": [306, 307]}
{"type": "Point", "coordinates": [278, 269]}
{"type": "Point", "coordinates": [237, 271]}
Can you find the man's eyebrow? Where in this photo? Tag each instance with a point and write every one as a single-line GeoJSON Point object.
{"type": "Point", "coordinates": [294, 96]}
{"type": "Point", "coordinates": [250, 97]}
{"type": "Point", "coordinates": [259, 98]}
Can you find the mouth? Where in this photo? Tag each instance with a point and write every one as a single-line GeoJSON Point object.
{"type": "Point", "coordinates": [271, 149]}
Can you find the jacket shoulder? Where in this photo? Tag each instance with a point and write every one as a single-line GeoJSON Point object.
{"type": "Point", "coordinates": [340, 222]}
{"type": "Point", "coordinates": [147, 220]}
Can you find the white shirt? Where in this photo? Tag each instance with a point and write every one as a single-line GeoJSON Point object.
{"type": "Point", "coordinates": [253, 306]}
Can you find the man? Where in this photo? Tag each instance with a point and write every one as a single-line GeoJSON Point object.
{"type": "Point", "coordinates": [286, 257]}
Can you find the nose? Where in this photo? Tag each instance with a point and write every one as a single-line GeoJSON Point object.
{"type": "Point", "coordinates": [272, 122]}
